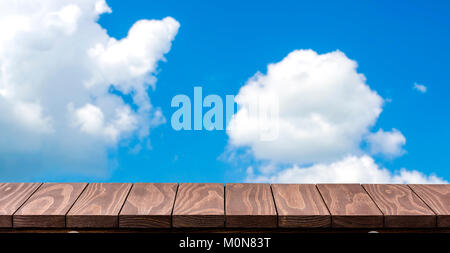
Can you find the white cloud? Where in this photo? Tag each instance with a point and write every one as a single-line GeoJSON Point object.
{"type": "Point", "coordinates": [352, 169]}
{"type": "Point", "coordinates": [325, 108]}
{"type": "Point", "coordinates": [89, 118]}
{"type": "Point", "coordinates": [389, 144]}
{"type": "Point", "coordinates": [420, 87]}
{"type": "Point", "coordinates": [102, 7]}
{"type": "Point", "coordinates": [57, 67]}
{"type": "Point", "coordinates": [30, 116]}
{"type": "Point", "coordinates": [326, 112]}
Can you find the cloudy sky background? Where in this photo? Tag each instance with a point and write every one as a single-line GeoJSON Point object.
{"type": "Point", "coordinates": [86, 88]}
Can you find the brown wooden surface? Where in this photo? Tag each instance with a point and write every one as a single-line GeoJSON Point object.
{"type": "Point", "coordinates": [350, 206]}
{"type": "Point", "coordinates": [209, 206]}
{"type": "Point", "coordinates": [98, 206]}
{"type": "Point", "coordinates": [199, 205]}
{"type": "Point", "coordinates": [300, 205]}
{"type": "Point", "coordinates": [12, 196]}
{"type": "Point", "coordinates": [249, 205]}
{"type": "Point", "coordinates": [48, 206]}
{"type": "Point", "coordinates": [401, 207]}
{"type": "Point", "coordinates": [148, 206]}
{"type": "Point", "coordinates": [437, 197]}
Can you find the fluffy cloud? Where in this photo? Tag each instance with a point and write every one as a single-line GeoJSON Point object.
{"type": "Point", "coordinates": [351, 169]}
{"type": "Point", "coordinates": [387, 143]}
{"type": "Point", "coordinates": [58, 68]}
{"type": "Point", "coordinates": [325, 113]}
{"type": "Point", "coordinates": [325, 108]}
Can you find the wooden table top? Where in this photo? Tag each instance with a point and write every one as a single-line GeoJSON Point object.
{"type": "Point", "coordinates": [119, 206]}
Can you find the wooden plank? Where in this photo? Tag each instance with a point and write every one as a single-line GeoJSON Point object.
{"type": "Point", "coordinates": [401, 207]}
{"type": "Point", "coordinates": [12, 196]}
{"type": "Point", "coordinates": [48, 206]}
{"type": "Point", "coordinates": [98, 206]}
{"type": "Point", "coordinates": [199, 205]}
{"type": "Point", "coordinates": [437, 197]}
{"type": "Point", "coordinates": [350, 206]}
{"type": "Point", "coordinates": [148, 206]}
{"type": "Point", "coordinates": [250, 205]}
{"type": "Point", "coordinates": [300, 205]}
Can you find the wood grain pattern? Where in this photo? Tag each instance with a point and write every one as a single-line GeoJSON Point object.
{"type": "Point", "coordinates": [350, 206]}
{"type": "Point", "coordinates": [250, 205]}
{"type": "Point", "coordinates": [12, 196]}
{"type": "Point", "coordinates": [199, 205]}
{"type": "Point", "coordinates": [98, 206]}
{"type": "Point", "coordinates": [110, 206]}
{"type": "Point", "coordinates": [401, 207]}
{"type": "Point", "coordinates": [437, 197]}
{"type": "Point", "coordinates": [48, 206]}
{"type": "Point", "coordinates": [300, 205]}
{"type": "Point", "coordinates": [148, 206]}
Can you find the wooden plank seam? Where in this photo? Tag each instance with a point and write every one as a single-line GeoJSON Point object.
{"type": "Point", "coordinates": [12, 215]}
{"type": "Point", "coordinates": [436, 214]}
{"type": "Point", "coordinates": [65, 216]}
{"type": "Point", "coordinates": [323, 200]}
{"type": "Point", "coordinates": [173, 205]}
{"type": "Point", "coordinates": [98, 206]}
{"type": "Point", "coordinates": [224, 205]}
{"type": "Point", "coordinates": [328, 209]}
{"type": "Point", "coordinates": [123, 204]}
{"type": "Point", "coordinates": [422, 200]}
{"type": "Point", "coordinates": [351, 206]}
{"type": "Point", "coordinates": [384, 215]}
{"type": "Point", "coordinates": [275, 205]}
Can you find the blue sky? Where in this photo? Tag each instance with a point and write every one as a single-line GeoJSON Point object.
{"type": "Point", "coordinates": [220, 45]}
